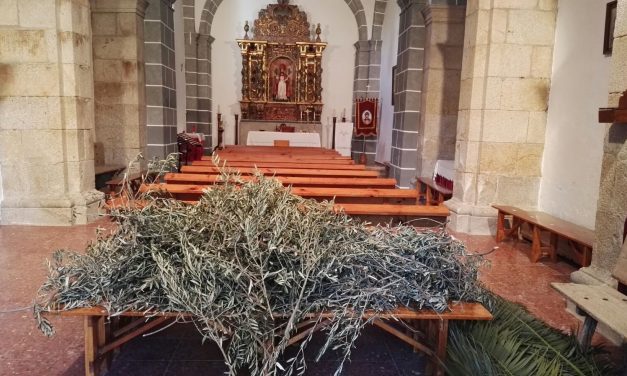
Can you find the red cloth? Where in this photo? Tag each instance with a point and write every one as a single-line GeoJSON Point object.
{"type": "Point", "coordinates": [366, 117]}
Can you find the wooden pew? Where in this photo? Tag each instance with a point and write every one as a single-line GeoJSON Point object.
{"type": "Point", "coordinates": [395, 210]}
{"type": "Point", "coordinates": [321, 165]}
{"type": "Point", "coordinates": [297, 181]}
{"type": "Point", "coordinates": [277, 150]}
{"type": "Point", "coordinates": [601, 304]}
{"type": "Point", "coordinates": [103, 337]}
{"type": "Point", "coordinates": [435, 194]}
{"type": "Point", "coordinates": [580, 239]}
{"type": "Point", "coordinates": [283, 171]}
{"type": "Point", "coordinates": [283, 158]}
{"type": "Point", "coordinates": [598, 303]}
{"type": "Point", "coordinates": [187, 192]}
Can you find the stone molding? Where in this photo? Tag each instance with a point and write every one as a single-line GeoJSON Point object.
{"type": "Point", "coordinates": [362, 45]}
{"type": "Point", "coordinates": [204, 39]}
{"type": "Point", "coordinates": [123, 7]}
{"type": "Point", "coordinates": [444, 13]}
{"type": "Point", "coordinates": [404, 4]}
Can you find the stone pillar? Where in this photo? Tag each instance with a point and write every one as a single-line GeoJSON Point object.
{"type": "Point", "coordinates": [203, 87]}
{"type": "Point", "coordinates": [612, 203]}
{"type": "Point", "coordinates": [160, 78]}
{"type": "Point", "coordinates": [366, 84]}
{"type": "Point", "coordinates": [408, 91]}
{"type": "Point", "coordinates": [505, 82]}
{"type": "Point", "coordinates": [119, 79]}
{"type": "Point", "coordinates": [443, 63]}
{"type": "Point", "coordinates": [198, 84]}
{"type": "Point", "coordinates": [46, 107]}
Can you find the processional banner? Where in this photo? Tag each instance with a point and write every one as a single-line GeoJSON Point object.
{"type": "Point", "coordinates": [366, 116]}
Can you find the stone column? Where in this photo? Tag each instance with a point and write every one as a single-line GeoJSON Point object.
{"type": "Point", "coordinates": [198, 83]}
{"type": "Point", "coordinates": [203, 85]}
{"type": "Point", "coordinates": [160, 78]}
{"type": "Point", "coordinates": [612, 203]}
{"type": "Point", "coordinates": [119, 79]}
{"type": "Point", "coordinates": [366, 84]}
{"type": "Point", "coordinates": [46, 107]}
{"type": "Point", "coordinates": [505, 82]}
{"type": "Point", "coordinates": [408, 91]}
{"type": "Point", "coordinates": [443, 63]}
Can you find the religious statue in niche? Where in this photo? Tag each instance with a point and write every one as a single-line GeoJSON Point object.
{"type": "Point", "coordinates": [282, 74]}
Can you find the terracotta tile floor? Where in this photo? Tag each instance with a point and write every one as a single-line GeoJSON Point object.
{"type": "Point", "coordinates": [176, 351]}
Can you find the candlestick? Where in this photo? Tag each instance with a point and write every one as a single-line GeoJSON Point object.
{"type": "Point", "coordinates": [333, 133]}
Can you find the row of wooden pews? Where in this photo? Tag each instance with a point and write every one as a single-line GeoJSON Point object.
{"type": "Point", "coordinates": [315, 173]}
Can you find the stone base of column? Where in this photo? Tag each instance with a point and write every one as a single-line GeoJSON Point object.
{"type": "Point", "coordinates": [471, 219]}
{"type": "Point", "coordinates": [52, 211]}
{"type": "Point", "coordinates": [592, 275]}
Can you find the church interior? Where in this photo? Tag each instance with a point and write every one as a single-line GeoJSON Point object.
{"type": "Point", "coordinates": [501, 122]}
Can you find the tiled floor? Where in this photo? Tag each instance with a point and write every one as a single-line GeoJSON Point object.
{"type": "Point", "coordinates": [177, 351]}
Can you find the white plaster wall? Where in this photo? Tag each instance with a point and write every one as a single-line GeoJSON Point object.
{"type": "Point", "coordinates": [179, 62]}
{"type": "Point", "coordinates": [1, 195]}
{"type": "Point", "coordinates": [389, 37]}
{"type": "Point", "coordinates": [571, 165]}
{"type": "Point", "coordinates": [339, 30]}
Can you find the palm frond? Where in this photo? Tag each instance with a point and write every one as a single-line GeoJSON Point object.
{"type": "Point", "coordinates": [515, 343]}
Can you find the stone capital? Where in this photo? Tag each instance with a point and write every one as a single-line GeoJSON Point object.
{"type": "Point", "coordinates": [204, 39]}
{"type": "Point", "coordinates": [404, 4]}
{"type": "Point", "coordinates": [444, 13]}
{"type": "Point", "coordinates": [362, 45]}
{"type": "Point", "coordinates": [120, 6]}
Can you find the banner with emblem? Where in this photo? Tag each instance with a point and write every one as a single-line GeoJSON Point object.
{"type": "Point", "coordinates": [366, 116]}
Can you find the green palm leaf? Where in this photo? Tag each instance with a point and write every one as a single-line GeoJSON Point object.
{"type": "Point", "coordinates": [514, 343]}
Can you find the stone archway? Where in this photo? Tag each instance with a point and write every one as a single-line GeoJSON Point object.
{"type": "Point", "coordinates": [198, 59]}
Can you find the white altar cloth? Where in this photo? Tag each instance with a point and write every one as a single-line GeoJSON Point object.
{"type": "Point", "coordinates": [259, 138]}
{"type": "Point", "coordinates": [343, 137]}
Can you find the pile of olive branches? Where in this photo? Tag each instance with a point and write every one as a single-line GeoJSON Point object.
{"type": "Point", "coordinates": [250, 262]}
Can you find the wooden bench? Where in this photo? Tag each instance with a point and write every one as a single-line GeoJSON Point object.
{"type": "Point", "coordinates": [190, 192]}
{"type": "Point", "coordinates": [601, 304]}
{"type": "Point", "coordinates": [320, 165]}
{"type": "Point", "coordinates": [134, 180]}
{"type": "Point", "coordinates": [598, 303]}
{"type": "Point", "coordinates": [580, 239]}
{"type": "Point", "coordinates": [104, 173]}
{"type": "Point", "coordinates": [103, 337]}
{"type": "Point", "coordinates": [422, 211]}
{"type": "Point", "coordinates": [288, 180]}
{"type": "Point", "coordinates": [435, 194]}
{"type": "Point", "coordinates": [277, 150]}
{"type": "Point", "coordinates": [282, 158]}
{"type": "Point", "coordinates": [282, 171]}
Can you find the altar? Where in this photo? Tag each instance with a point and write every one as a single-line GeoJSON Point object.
{"type": "Point", "coordinates": [261, 138]}
{"type": "Point", "coordinates": [281, 67]}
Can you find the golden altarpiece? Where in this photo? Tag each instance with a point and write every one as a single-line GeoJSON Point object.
{"type": "Point", "coordinates": [282, 67]}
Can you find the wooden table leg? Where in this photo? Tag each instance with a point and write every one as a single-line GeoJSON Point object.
{"type": "Point", "coordinates": [553, 247]}
{"type": "Point", "coordinates": [536, 244]}
{"type": "Point", "coordinates": [441, 346]}
{"type": "Point", "coordinates": [586, 332]}
{"type": "Point", "coordinates": [500, 227]}
{"type": "Point", "coordinates": [429, 199]}
{"type": "Point", "coordinates": [94, 339]}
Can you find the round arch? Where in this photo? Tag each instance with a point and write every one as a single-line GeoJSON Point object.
{"type": "Point", "coordinates": [211, 6]}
